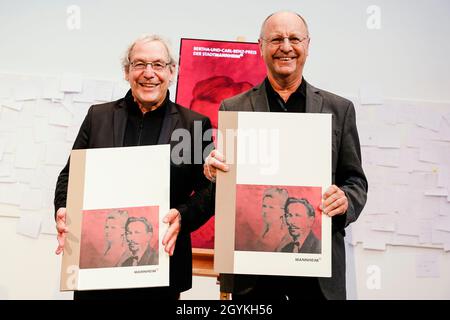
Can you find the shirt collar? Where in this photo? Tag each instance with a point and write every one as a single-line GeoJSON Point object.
{"type": "Point", "coordinates": [134, 108]}
{"type": "Point", "coordinates": [271, 91]}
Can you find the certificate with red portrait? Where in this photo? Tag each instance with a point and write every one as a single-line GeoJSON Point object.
{"type": "Point", "coordinates": [115, 208]}
{"type": "Point", "coordinates": [209, 72]}
{"type": "Point", "coordinates": [268, 217]}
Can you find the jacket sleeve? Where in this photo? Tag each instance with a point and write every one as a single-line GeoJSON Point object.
{"type": "Point", "coordinates": [200, 205]}
{"type": "Point", "coordinates": [349, 173]}
{"type": "Point", "coordinates": [81, 142]}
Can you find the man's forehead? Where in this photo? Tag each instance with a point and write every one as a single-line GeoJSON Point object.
{"type": "Point", "coordinates": [136, 224]}
{"type": "Point", "coordinates": [284, 21]}
{"type": "Point", "coordinates": [149, 48]}
{"type": "Point", "coordinates": [296, 206]}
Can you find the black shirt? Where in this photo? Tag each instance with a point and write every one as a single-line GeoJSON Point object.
{"type": "Point", "coordinates": [143, 129]}
{"type": "Point", "coordinates": [295, 103]}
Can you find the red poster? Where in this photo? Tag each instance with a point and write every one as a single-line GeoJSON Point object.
{"type": "Point", "coordinates": [272, 218]}
{"type": "Point", "coordinates": [112, 237]}
{"type": "Point", "coordinates": [209, 72]}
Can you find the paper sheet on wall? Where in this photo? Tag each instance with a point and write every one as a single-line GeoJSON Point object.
{"type": "Point", "coordinates": [29, 224]}
{"type": "Point", "coordinates": [427, 265]}
{"type": "Point", "coordinates": [71, 82]}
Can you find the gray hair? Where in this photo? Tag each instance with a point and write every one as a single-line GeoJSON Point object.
{"type": "Point", "coordinates": [265, 21]}
{"type": "Point", "coordinates": [148, 38]}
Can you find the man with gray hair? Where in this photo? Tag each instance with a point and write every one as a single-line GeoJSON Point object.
{"type": "Point", "coordinates": [284, 43]}
{"type": "Point", "coordinates": [146, 116]}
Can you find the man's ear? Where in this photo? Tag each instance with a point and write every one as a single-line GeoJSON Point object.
{"type": "Point", "coordinates": [260, 46]}
{"type": "Point", "coordinates": [307, 46]}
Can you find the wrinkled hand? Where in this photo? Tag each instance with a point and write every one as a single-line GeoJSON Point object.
{"type": "Point", "coordinates": [61, 228]}
{"type": "Point", "coordinates": [173, 218]}
{"type": "Point", "coordinates": [215, 161]}
{"type": "Point", "coordinates": [334, 201]}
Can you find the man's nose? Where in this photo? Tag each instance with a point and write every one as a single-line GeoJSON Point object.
{"type": "Point", "coordinates": [285, 45]}
{"type": "Point", "coordinates": [149, 72]}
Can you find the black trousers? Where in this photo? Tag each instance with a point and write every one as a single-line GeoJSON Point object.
{"type": "Point", "coordinates": [277, 289]}
{"type": "Point", "coordinates": [159, 293]}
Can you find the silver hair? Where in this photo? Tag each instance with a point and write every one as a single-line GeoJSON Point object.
{"type": "Point", "coordinates": [265, 21]}
{"type": "Point", "coordinates": [148, 38]}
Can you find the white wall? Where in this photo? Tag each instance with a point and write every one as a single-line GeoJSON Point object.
{"type": "Point", "coordinates": [407, 58]}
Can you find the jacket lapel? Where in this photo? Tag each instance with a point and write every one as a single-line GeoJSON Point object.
{"type": "Point", "coordinates": [120, 123]}
{"type": "Point", "coordinates": [259, 98]}
{"type": "Point", "coordinates": [314, 101]}
{"type": "Point", "coordinates": [169, 123]}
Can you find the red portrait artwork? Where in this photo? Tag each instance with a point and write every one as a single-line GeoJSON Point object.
{"type": "Point", "coordinates": [119, 237]}
{"type": "Point", "coordinates": [278, 219]}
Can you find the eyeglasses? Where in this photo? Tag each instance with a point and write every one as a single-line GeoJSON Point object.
{"type": "Point", "coordinates": [155, 65]}
{"type": "Point", "coordinates": [276, 41]}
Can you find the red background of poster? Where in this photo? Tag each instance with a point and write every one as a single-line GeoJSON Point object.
{"type": "Point", "coordinates": [227, 77]}
{"type": "Point", "coordinates": [249, 221]}
{"type": "Point", "coordinates": [93, 234]}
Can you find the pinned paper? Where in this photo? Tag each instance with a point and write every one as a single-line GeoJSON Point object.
{"type": "Point", "coordinates": [71, 83]}
{"type": "Point", "coordinates": [10, 193]}
{"type": "Point", "coordinates": [370, 94]}
{"type": "Point", "coordinates": [29, 225]}
{"type": "Point", "coordinates": [2, 147]}
{"type": "Point", "coordinates": [48, 225]}
{"type": "Point", "coordinates": [405, 240]}
{"type": "Point", "coordinates": [12, 104]}
{"type": "Point", "coordinates": [57, 153]}
{"type": "Point", "coordinates": [429, 120]}
{"type": "Point", "coordinates": [384, 222]}
{"type": "Point", "coordinates": [442, 223]}
{"type": "Point", "coordinates": [430, 152]}
{"type": "Point", "coordinates": [388, 136]}
{"type": "Point", "coordinates": [408, 225]}
{"type": "Point", "coordinates": [27, 91]}
{"type": "Point", "coordinates": [88, 92]}
{"type": "Point", "coordinates": [31, 199]}
{"type": "Point", "coordinates": [51, 89]}
{"type": "Point", "coordinates": [436, 192]}
{"type": "Point", "coordinates": [103, 91]}
{"type": "Point", "coordinates": [60, 117]}
{"type": "Point", "coordinates": [28, 155]}
{"type": "Point", "coordinates": [388, 158]}
{"type": "Point", "coordinates": [425, 230]}
{"type": "Point", "coordinates": [427, 265]}
{"type": "Point", "coordinates": [120, 90]}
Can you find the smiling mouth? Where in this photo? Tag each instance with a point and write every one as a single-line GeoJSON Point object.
{"type": "Point", "coordinates": [285, 58]}
{"type": "Point", "coordinates": [148, 85]}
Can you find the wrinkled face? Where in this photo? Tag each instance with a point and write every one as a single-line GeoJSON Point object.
{"type": "Point", "coordinates": [138, 238]}
{"type": "Point", "coordinates": [149, 88]}
{"type": "Point", "coordinates": [273, 209]}
{"type": "Point", "coordinates": [298, 221]}
{"type": "Point", "coordinates": [284, 60]}
{"type": "Point", "coordinates": [114, 230]}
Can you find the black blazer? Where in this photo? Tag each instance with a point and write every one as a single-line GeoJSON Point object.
{"type": "Point", "coordinates": [190, 192]}
{"type": "Point", "coordinates": [311, 245]}
{"type": "Point", "coordinates": [347, 174]}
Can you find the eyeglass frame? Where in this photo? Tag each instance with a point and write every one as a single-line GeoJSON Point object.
{"type": "Point", "coordinates": [282, 40]}
{"type": "Point", "coordinates": [163, 65]}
